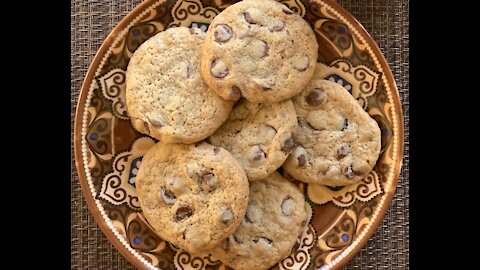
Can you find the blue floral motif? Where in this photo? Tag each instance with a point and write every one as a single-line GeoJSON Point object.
{"type": "Point", "coordinates": [94, 136]}
{"type": "Point", "coordinates": [345, 237]}
{"type": "Point", "coordinates": [137, 240]}
{"type": "Point", "coordinates": [134, 170]}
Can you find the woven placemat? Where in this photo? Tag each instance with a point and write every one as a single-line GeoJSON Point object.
{"type": "Point", "coordinates": [385, 20]}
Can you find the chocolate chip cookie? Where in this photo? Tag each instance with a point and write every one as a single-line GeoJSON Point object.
{"type": "Point", "coordinates": [166, 95]}
{"type": "Point", "coordinates": [338, 143]}
{"type": "Point", "coordinates": [260, 50]}
{"type": "Point", "coordinates": [259, 135]}
{"type": "Point", "coordinates": [275, 217]}
{"type": "Point", "coordinates": [194, 196]}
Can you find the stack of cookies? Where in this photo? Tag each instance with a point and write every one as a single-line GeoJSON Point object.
{"type": "Point", "coordinates": [230, 107]}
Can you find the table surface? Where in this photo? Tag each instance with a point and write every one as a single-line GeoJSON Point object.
{"type": "Point", "coordinates": [386, 20]}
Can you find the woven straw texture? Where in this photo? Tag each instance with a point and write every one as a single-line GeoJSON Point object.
{"type": "Point", "coordinates": [387, 22]}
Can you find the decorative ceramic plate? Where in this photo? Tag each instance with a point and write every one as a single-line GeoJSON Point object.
{"type": "Point", "coordinates": [109, 151]}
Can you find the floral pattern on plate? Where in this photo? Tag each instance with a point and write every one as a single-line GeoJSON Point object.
{"type": "Point", "coordinates": [109, 150]}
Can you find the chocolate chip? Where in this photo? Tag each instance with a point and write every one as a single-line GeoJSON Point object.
{"type": "Point", "coordinates": [301, 160]}
{"type": "Point", "coordinates": [288, 206]}
{"type": "Point", "coordinates": [247, 218]}
{"type": "Point", "coordinates": [302, 63]}
{"type": "Point", "coordinates": [218, 69]}
{"type": "Point", "coordinates": [208, 177]}
{"type": "Point", "coordinates": [264, 49]}
{"type": "Point", "coordinates": [223, 33]}
{"type": "Point", "coordinates": [234, 239]}
{"type": "Point", "coordinates": [264, 86]}
{"type": "Point", "coordinates": [231, 239]}
{"type": "Point", "coordinates": [276, 27]}
{"type": "Point", "coordinates": [259, 155]}
{"type": "Point", "coordinates": [249, 214]}
{"type": "Point", "coordinates": [208, 182]}
{"type": "Point", "coordinates": [155, 122]}
{"type": "Point", "coordinates": [345, 124]}
{"type": "Point", "coordinates": [348, 172]}
{"type": "Point", "coordinates": [316, 97]}
{"type": "Point", "coordinates": [343, 152]}
{"type": "Point", "coordinates": [249, 18]}
{"type": "Point", "coordinates": [167, 196]}
{"type": "Point", "coordinates": [226, 215]}
{"type": "Point", "coordinates": [175, 185]}
{"type": "Point", "coordinates": [313, 127]}
{"type": "Point", "coordinates": [189, 70]}
{"type": "Point", "coordinates": [255, 154]}
{"type": "Point", "coordinates": [183, 212]}
{"type": "Point", "coordinates": [266, 131]}
{"type": "Point", "coordinates": [195, 170]}
{"type": "Point", "coordinates": [271, 127]}
{"type": "Point", "coordinates": [288, 145]}
{"type": "Point", "coordinates": [145, 126]}
{"type": "Point", "coordinates": [287, 11]}
{"type": "Point", "coordinates": [235, 93]}
{"type": "Point", "coordinates": [299, 155]}
{"type": "Point", "coordinates": [216, 150]}
{"type": "Point", "coordinates": [264, 241]}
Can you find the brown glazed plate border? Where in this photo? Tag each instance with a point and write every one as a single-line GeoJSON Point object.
{"type": "Point", "coordinates": [78, 128]}
{"type": "Point", "coordinates": [95, 64]}
{"type": "Point", "coordinates": [401, 136]}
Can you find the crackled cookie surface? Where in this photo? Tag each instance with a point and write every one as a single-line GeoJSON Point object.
{"type": "Point", "coordinates": [338, 143]}
{"type": "Point", "coordinates": [275, 217]}
{"type": "Point", "coordinates": [260, 50]}
{"type": "Point", "coordinates": [166, 95]}
{"type": "Point", "coordinates": [194, 196]}
{"type": "Point", "coordinates": [259, 135]}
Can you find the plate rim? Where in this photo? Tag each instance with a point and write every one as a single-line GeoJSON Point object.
{"type": "Point", "coordinates": [107, 42]}
{"type": "Point", "coordinates": [78, 124]}
{"type": "Point", "coordinates": [401, 132]}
